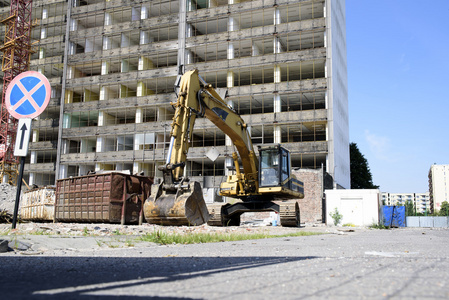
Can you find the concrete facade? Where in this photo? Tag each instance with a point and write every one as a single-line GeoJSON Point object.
{"type": "Point", "coordinates": [438, 185]}
{"type": "Point", "coordinates": [112, 66]}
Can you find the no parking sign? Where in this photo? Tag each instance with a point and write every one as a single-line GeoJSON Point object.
{"type": "Point", "coordinates": [26, 98]}
{"type": "Point", "coordinates": [28, 95]}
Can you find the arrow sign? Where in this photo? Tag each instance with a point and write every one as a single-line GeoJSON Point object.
{"type": "Point", "coordinates": [23, 137]}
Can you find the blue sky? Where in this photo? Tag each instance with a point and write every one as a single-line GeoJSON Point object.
{"type": "Point", "coordinates": [398, 66]}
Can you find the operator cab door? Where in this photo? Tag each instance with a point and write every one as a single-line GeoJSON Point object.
{"type": "Point", "coordinates": [285, 167]}
{"type": "Point", "coordinates": [274, 167]}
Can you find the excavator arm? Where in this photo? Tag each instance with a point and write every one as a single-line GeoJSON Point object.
{"type": "Point", "coordinates": [175, 199]}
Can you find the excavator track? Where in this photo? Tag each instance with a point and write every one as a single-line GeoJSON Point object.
{"type": "Point", "coordinates": [214, 214]}
{"type": "Point", "coordinates": [289, 214]}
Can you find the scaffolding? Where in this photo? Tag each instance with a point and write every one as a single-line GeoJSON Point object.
{"type": "Point", "coordinates": [16, 59]}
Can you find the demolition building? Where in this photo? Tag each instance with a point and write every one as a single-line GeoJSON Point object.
{"type": "Point", "coordinates": [112, 65]}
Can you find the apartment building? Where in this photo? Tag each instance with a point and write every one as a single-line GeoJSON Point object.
{"type": "Point", "coordinates": [112, 67]}
{"type": "Point", "coordinates": [421, 201]}
{"type": "Point", "coordinates": [438, 185]}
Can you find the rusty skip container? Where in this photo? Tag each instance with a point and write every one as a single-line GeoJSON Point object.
{"type": "Point", "coordinates": [108, 197]}
{"type": "Point", "coordinates": [38, 204]}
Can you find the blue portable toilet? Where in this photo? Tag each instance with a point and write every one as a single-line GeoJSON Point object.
{"type": "Point", "coordinates": [393, 216]}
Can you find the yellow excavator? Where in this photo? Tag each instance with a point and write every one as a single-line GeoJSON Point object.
{"type": "Point", "coordinates": [264, 184]}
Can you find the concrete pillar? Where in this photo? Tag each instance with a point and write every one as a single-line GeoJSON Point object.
{"type": "Point", "coordinates": [107, 19]}
{"type": "Point", "coordinates": [277, 134]}
{"type": "Point", "coordinates": [66, 121]}
{"type": "Point", "coordinates": [277, 46]}
{"type": "Point", "coordinates": [124, 66]}
{"type": "Point", "coordinates": [141, 89]}
{"type": "Point", "coordinates": [33, 157]}
{"type": "Point", "coordinates": [43, 33]}
{"type": "Point", "coordinates": [144, 38]}
{"type": "Point", "coordinates": [104, 93]}
{"type": "Point", "coordinates": [136, 167]}
{"type": "Point", "coordinates": [230, 51]}
{"type": "Point", "coordinates": [255, 50]}
{"type": "Point", "coordinates": [35, 136]}
{"type": "Point", "coordinates": [189, 30]}
{"type": "Point", "coordinates": [135, 13]}
{"type": "Point", "coordinates": [277, 103]}
{"type": "Point", "coordinates": [231, 24]}
{"type": "Point", "coordinates": [190, 5]}
{"type": "Point", "coordinates": [107, 44]}
{"type": "Point", "coordinates": [139, 115]}
{"type": "Point", "coordinates": [189, 57]}
{"type": "Point", "coordinates": [230, 79]}
{"type": "Point", "coordinates": [73, 24]}
{"type": "Point", "coordinates": [124, 91]}
{"type": "Point", "coordinates": [212, 3]}
{"type": "Point", "coordinates": [124, 40]}
{"type": "Point", "coordinates": [144, 12]}
{"type": "Point", "coordinates": [145, 63]}
{"type": "Point", "coordinates": [72, 48]}
{"type": "Point", "coordinates": [70, 72]}
{"type": "Point", "coordinates": [68, 96]}
{"type": "Point", "coordinates": [277, 16]}
{"type": "Point", "coordinates": [228, 163]}
{"type": "Point", "coordinates": [100, 144]}
{"type": "Point", "coordinates": [62, 171]}
{"type": "Point", "coordinates": [89, 47]}
{"type": "Point", "coordinates": [31, 179]}
{"type": "Point", "coordinates": [41, 53]}
{"type": "Point", "coordinates": [277, 74]}
{"type": "Point", "coordinates": [104, 67]}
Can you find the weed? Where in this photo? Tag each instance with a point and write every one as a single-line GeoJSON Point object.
{"type": "Point", "coordinates": [191, 238]}
{"type": "Point", "coordinates": [348, 225]}
{"type": "Point", "coordinates": [85, 231]}
{"type": "Point", "coordinates": [336, 216]}
{"type": "Point", "coordinates": [378, 226]}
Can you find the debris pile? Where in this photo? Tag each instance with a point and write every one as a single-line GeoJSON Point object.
{"type": "Point", "coordinates": [7, 197]}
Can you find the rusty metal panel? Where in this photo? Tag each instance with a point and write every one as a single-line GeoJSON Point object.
{"type": "Point", "coordinates": [108, 197]}
{"type": "Point", "coordinates": [38, 204]}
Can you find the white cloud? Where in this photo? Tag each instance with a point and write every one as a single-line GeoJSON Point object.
{"type": "Point", "coordinates": [380, 146]}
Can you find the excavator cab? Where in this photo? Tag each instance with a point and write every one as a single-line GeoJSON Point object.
{"type": "Point", "coordinates": [275, 173]}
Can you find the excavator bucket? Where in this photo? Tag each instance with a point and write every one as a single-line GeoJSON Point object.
{"type": "Point", "coordinates": [182, 206]}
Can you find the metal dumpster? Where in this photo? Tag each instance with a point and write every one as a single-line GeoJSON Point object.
{"type": "Point", "coordinates": [38, 204]}
{"type": "Point", "coordinates": [109, 198]}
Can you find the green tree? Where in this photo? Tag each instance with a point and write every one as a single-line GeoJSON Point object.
{"type": "Point", "coordinates": [409, 208]}
{"type": "Point", "coordinates": [361, 177]}
{"type": "Point", "coordinates": [444, 211]}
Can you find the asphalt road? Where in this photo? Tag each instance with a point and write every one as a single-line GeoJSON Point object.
{"type": "Point", "coordinates": [365, 264]}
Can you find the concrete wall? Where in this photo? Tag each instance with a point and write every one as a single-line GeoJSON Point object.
{"type": "Point", "coordinates": [358, 207]}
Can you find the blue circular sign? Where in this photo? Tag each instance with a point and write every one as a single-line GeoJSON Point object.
{"type": "Point", "coordinates": [28, 95]}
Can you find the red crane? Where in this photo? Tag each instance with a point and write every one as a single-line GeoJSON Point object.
{"type": "Point", "coordinates": [16, 59]}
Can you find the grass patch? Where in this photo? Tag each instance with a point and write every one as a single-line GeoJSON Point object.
{"type": "Point", "coordinates": [198, 238]}
{"type": "Point", "coordinates": [378, 226]}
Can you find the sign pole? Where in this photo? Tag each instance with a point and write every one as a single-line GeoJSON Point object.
{"type": "Point", "coordinates": [19, 188]}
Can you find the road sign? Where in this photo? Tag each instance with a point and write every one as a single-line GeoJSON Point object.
{"type": "Point", "coordinates": [22, 137]}
{"type": "Point", "coordinates": [28, 95]}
